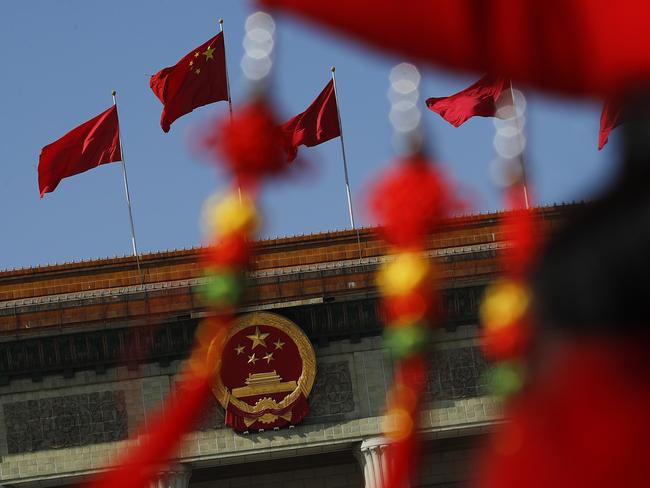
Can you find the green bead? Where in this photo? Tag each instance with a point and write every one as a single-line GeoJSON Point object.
{"type": "Point", "coordinates": [223, 288]}
{"type": "Point", "coordinates": [405, 341]}
{"type": "Point", "coordinates": [506, 378]}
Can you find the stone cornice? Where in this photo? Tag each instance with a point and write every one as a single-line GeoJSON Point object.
{"type": "Point", "coordinates": [56, 352]}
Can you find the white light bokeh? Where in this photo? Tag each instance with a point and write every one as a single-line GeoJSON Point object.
{"type": "Point", "coordinates": [258, 46]}
{"type": "Point", "coordinates": [509, 146]}
{"type": "Point", "coordinates": [405, 115]}
{"type": "Point", "coordinates": [256, 69]}
{"type": "Point", "coordinates": [404, 120]}
{"type": "Point", "coordinates": [260, 20]}
{"type": "Point", "coordinates": [505, 172]}
{"type": "Point", "coordinates": [509, 140]}
{"type": "Point", "coordinates": [404, 78]}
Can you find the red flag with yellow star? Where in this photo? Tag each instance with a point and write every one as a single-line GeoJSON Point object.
{"type": "Point", "coordinates": [196, 80]}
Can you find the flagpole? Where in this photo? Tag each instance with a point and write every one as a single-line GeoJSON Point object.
{"type": "Point", "coordinates": [345, 162]}
{"type": "Point", "coordinates": [128, 199]}
{"type": "Point", "coordinates": [225, 63]}
{"type": "Point", "coordinates": [521, 145]}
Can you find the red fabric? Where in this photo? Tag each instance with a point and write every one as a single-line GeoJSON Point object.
{"type": "Point", "coordinates": [139, 465]}
{"type": "Point", "coordinates": [584, 422]}
{"type": "Point", "coordinates": [318, 124]}
{"type": "Point", "coordinates": [409, 200]}
{"type": "Point", "coordinates": [251, 146]}
{"type": "Point", "coordinates": [232, 250]}
{"type": "Point", "coordinates": [404, 454]}
{"type": "Point", "coordinates": [610, 118]}
{"type": "Point", "coordinates": [519, 226]}
{"type": "Point", "coordinates": [578, 46]}
{"type": "Point", "coordinates": [92, 143]}
{"type": "Point", "coordinates": [181, 88]}
{"type": "Point", "coordinates": [479, 99]}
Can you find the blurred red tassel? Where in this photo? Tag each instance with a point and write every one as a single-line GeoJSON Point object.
{"type": "Point", "coordinates": [525, 237]}
{"type": "Point", "coordinates": [252, 145]}
{"type": "Point", "coordinates": [584, 422]}
{"type": "Point", "coordinates": [404, 453]}
{"type": "Point", "coordinates": [410, 200]}
{"type": "Point", "coordinates": [576, 46]}
{"type": "Point", "coordinates": [233, 250]}
{"type": "Point", "coordinates": [414, 306]}
{"type": "Point", "coordinates": [404, 459]}
{"type": "Point", "coordinates": [139, 466]}
{"type": "Point", "coordinates": [507, 342]}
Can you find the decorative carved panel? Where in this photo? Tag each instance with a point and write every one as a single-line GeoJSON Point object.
{"type": "Point", "coordinates": [212, 417]}
{"type": "Point", "coordinates": [67, 421]}
{"type": "Point", "coordinates": [332, 392]}
{"type": "Point", "coordinates": [456, 373]}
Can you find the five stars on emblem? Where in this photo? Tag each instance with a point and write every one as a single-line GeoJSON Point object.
{"type": "Point", "coordinates": [268, 357]}
{"type": "Point", "coordinates": [239, 349]}
{"type": "Point", "coordinates": [252, 359]}
{"type": "Point", "coordinates": [278, 344]}
{"type": "Point", "coordinates": [258, 338]}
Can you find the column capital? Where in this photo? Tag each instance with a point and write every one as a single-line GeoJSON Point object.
{"type": "Point", "coordinates": [175, 475]}
{"type": "Point", "coordinates": [371, 455]}
{"type": "Point", "coordinates": [373, 442]}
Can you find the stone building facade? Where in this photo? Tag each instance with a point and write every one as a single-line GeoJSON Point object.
{"type": "Point", "coordinates": [86, 353]}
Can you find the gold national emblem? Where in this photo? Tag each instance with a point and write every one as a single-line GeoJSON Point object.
{"type": "Point", "coordinates": [267, 372]}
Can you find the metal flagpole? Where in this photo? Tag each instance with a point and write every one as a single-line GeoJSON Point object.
{"type": "Point", "coordinates": [225, 63]}
{"type": "Point", "coordinates": [521, 144]}
{"type": "Point", "coordinates": [128, 200]}
{"type": "Point", "coordinates": [345, 162]}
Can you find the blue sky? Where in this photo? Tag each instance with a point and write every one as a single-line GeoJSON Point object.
{"type": "Point", "coordinates": [61, 59]}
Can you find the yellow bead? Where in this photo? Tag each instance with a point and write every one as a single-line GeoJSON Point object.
{"type": "Point", "coordinates": [397, 424]}
{"type": "Point", "coordinates": [404, 274]}
{"type": "Point", "coordinates": [504, 303]}
{"type": "Point", "coordinates": [231, 214]}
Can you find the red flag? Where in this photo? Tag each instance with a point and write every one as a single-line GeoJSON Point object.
{"type": "Point", "coordinates": [196, 80]}
{"type": "Point", "coordinates": [317, 124]}
{"type": "Point", "coordinates": [610, 118]}
{"type": "Point", "coordinates": [479, 99]}
{"type": "Point", "coordinates": [92, 143]}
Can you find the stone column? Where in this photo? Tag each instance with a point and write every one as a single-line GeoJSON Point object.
{"type": "Point", "coordinates": [174, 476]}
{"type": "Point", "coordinates": [372, 456]}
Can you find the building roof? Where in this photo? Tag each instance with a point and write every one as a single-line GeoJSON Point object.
{"type": "Point", "coordinates": [286, 269]}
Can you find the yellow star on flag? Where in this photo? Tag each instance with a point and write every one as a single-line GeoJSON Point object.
{"type": "Point", "coordinates": [258, 338]}
{"type": "Point", "coordinates": [252, 359]}
{"type": "Point", "coordinates": [197, 71]}
{"type": "Point", "coordinates": [208, 53]}
{"type": "Point", "coordinates": [196, 54]}
{"type": "Point", "coordinates": [279, 344]}
{"type": "Point", "coordinates": [268, 357]}
{"type": "Point", "coordinates": [239, 349]}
